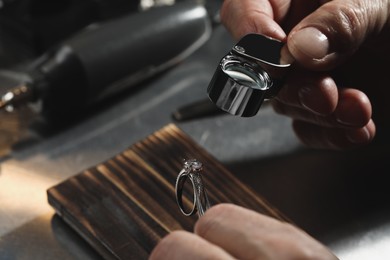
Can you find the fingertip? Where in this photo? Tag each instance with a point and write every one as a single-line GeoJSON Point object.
{"type": "Point", "coordinates": [319, 96]}
{"type": "Point", "coordinates": [164, 248]}
{"type": "Point", "coordinates": [311, 49]}
{"type": "Point", "coordinates": [308, 44]}
{"type": "Point", "coordinates": [244, 17]}
{"type": "Point", "coordinates": [332, 33]}
{"type": "Point", "coordinates": [353, 109]}
{"type": "Point", "coordinates": [362, 135]}
{"type": "Point", "coordinates": [318, 137]}
{"type": "Point", "coordinates": [286, 58]}
{"type": "Point", "coordinates": [314, 92]}
{"type": "Point", "coordinates": [210, 218]}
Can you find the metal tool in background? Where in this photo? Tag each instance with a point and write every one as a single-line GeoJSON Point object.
{"type": "Point", "coordinates": [250, 73]}
{"type": "Point", "coordinates": [30, 27]}
{"type": "Point", "coordinates": [196, 110]}
{"type": "Point", "coordinates": [107, 58]}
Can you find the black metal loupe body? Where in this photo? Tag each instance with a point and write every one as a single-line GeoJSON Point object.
{"type": "Point", "coordinates": [251, 72]}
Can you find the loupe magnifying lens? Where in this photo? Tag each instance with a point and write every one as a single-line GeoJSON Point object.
{"type": "Point", "coordinates": [244, 74]}
{"type": "Point", "coordinates": [250, 73]}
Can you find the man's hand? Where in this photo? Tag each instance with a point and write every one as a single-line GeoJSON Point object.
{"type": "Point", "coordinates": [340, 49]}
{"type": "Point", "coordinates": [228, 231]}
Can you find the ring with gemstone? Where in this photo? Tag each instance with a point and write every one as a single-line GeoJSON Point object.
{"type": "Point", "coordinates": [192, 170]}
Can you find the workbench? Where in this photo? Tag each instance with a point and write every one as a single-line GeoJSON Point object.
{"type": "Point", "coordinates": [340, 198]}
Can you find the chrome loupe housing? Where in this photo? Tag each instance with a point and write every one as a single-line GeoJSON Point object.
{"type": "Point", "coordinates": [250, 73]}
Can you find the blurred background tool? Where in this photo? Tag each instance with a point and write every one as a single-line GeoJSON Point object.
{"type": "Point", "coordinates": [111, 56]}
{"type": "Point", "coordinates": [197, 110]}
{"type": "Point", "coordinates": [104, 59]}
{"type": "Point", "coordinates": [30, 27]}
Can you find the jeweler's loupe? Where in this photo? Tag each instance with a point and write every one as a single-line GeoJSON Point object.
{"type": "Point", "coordinates": [250, 73]}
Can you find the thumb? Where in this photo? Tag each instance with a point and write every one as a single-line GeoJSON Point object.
{"type": "Point", "coordinates": [333, 32]}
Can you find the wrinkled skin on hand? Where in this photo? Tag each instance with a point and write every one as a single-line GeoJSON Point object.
{"type": "Point", "coordinates": [228, 231]}
{"type": "Point", "coordinates": [338, 86]}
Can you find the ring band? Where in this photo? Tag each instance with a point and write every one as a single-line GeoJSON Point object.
{"type": "Point", "coordinates": [191, 170]}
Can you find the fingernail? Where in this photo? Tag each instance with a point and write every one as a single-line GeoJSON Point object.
{"type": "Point", "coordinates": [311, 41]}
{"type": "Point", "coordinates": [359, 136]}
{"type": "Point", "coordinates": [285, 56]}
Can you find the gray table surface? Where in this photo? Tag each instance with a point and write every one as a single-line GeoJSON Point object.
{"type": "Point", "coordinates": [340, 198]}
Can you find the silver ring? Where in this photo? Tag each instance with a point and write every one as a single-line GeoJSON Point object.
{"type": "Point", "coordinates": [191, 170]}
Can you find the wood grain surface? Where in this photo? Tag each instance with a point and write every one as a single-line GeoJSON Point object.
{"type": "Point", "coordinates": [126, 204]}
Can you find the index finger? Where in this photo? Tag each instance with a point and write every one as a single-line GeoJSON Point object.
{"type": "Point", "coordinates": [184, 245]}
{"type": "Point", "coordinates": [246, 234]}
{"type": "Point", "coordinates": [242, 17]}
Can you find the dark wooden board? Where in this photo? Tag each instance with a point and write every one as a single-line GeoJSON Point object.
{"type": "Point", "coordinates": [126, 204]}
